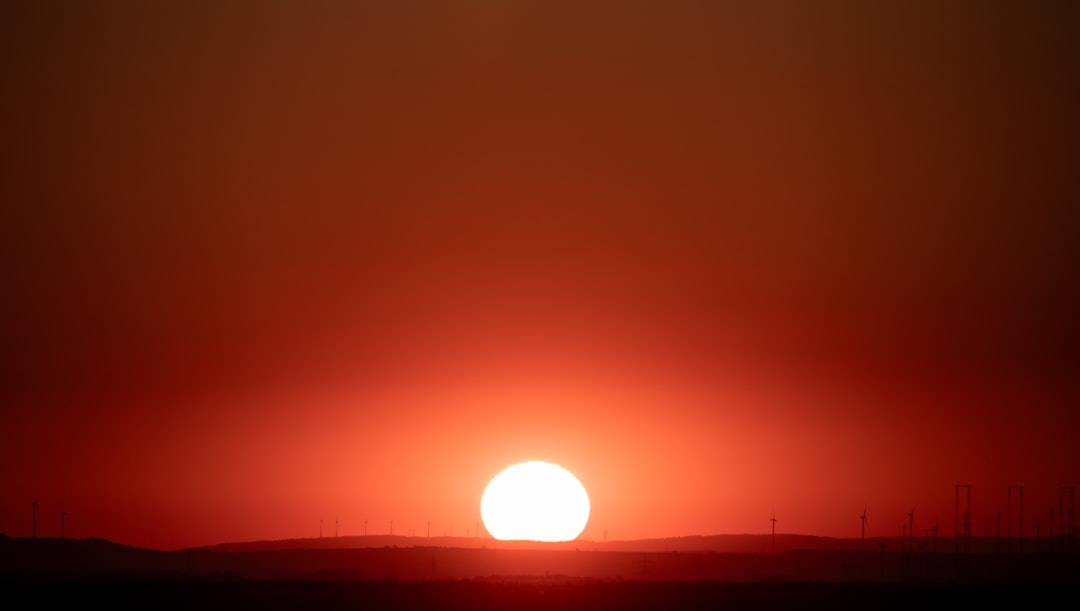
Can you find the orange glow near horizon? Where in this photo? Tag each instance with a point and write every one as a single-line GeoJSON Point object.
{"type": "Point", "coordinates": [266, 265]}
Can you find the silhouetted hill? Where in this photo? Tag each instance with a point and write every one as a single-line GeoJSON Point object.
{"type": "Point", "coordinates": [515, 561]}
{"type": "Point", "coordinates": [714, 543]}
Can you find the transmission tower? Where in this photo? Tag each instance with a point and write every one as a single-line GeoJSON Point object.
{"type": "Point", "coordinates": [1067, 516]}
{"type": "Point", "coordinates": [963, 518]}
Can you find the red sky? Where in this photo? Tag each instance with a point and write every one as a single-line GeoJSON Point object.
{"type": "Point", "coordinates": [266, 263]}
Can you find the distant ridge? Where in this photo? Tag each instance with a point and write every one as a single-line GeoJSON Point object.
{"type": "Point", "coordinates": [387, 558]}
{"type": "Point", "coordinates": [742, 544]}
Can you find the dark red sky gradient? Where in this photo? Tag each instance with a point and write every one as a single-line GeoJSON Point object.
{"type": "Point", "coordinates": [265, 263]}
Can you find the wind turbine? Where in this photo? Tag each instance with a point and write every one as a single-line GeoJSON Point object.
{"type": "Point", "coordinates": [35, 517]}
{"type": "Point", "coordinates": [773, 520]}
{"type": "Point", "coordinates": [911, 529]}
{"type": "Point", "coordinates": [63, 514]}
{"type": "Point", "coordinates": [864, 523]}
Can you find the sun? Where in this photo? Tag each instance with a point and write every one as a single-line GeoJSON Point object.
{"type": "Point", "coordinates": [535, 501]}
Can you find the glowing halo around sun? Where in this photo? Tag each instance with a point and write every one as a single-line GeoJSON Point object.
{"type": "Point", "coordinates": [535, 501]}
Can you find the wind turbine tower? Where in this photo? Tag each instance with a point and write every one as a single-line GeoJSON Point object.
{"type": "Point", "coordinates": [63, 514]}
{"type": "Point", "coordinates": [35, 518]}
{"type": "Point", "coordinates": [773, 520]}
{"type": "Point", "coordinates": [864, 523]}
{"type": "Point", "coordinates": [911, 530]}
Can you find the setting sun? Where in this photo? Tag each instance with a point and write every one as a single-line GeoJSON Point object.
{"type": "Point", "coordinates": [535, 501]}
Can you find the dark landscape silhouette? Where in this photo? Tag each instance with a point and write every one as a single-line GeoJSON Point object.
{"type": "Point", "coordinates": [454, 573]}
{"type": "Point", "coordinates": [723, 558]}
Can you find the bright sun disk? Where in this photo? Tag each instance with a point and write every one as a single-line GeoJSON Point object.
{"type": "Point", "coordinates": [535, 501]}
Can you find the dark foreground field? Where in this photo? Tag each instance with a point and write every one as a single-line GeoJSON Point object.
{"type": "Point", "coordinates": [564, 595]}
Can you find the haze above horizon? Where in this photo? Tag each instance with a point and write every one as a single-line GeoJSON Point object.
{"type": "Point", "coordinates": [270, 264]}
